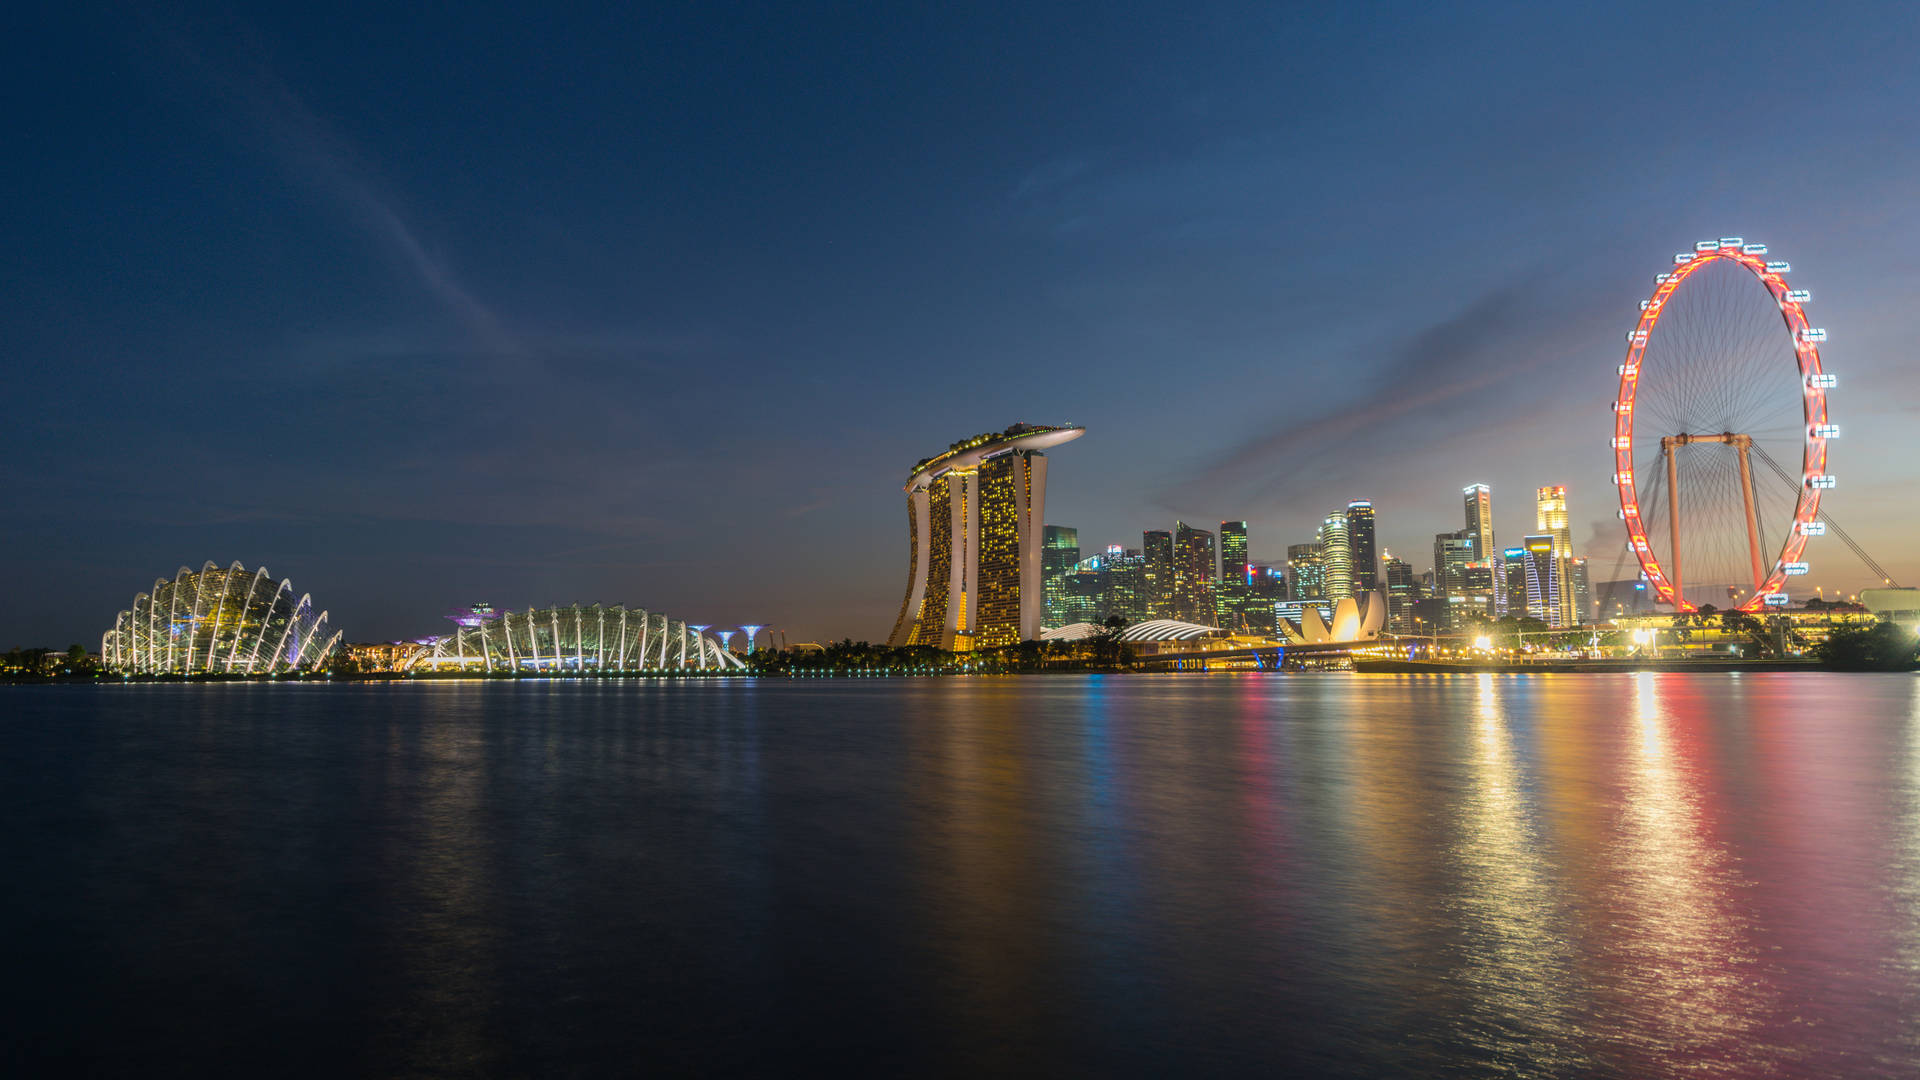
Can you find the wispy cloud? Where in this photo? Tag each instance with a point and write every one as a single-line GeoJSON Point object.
{"type": "Point", "coordinates": [1490, 356]}
{"type": "Point", "coordinates": [321, 156]}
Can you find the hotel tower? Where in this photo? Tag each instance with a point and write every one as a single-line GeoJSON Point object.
{"type": "Point", "coordinates": [974, 525]}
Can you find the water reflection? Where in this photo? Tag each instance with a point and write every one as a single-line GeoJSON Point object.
{"type": "Point", "coordinates": [983, 921]}
{"type": "Point", "coordinates": [1679, 965]}
{"type": "Point", "coordinates": [1603, 876]}
{"type": "Point", "coordinates": [445, 942]}
{"type": "Point", "coordinates": [1905, 957]}
{"type": "Point", "coordinates": [1517, 959]}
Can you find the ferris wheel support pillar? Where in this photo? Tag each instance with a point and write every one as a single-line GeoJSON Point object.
{"type": "Point", "coordinates": [1672, 450]}
{"type": "Point", "coordinates": [1744, 443]}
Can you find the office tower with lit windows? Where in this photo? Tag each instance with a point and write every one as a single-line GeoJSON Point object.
{"type": "Point", "coordinates": [1550, 519]}
{"type": "Point", "coordinates": [1233, 552]}
{"type": "Point", "coordinates": [1126, 584]}
{"type": "Point", "coordinates": [1512, 599]}
{"type": "Point", "coordinates": [1084, 599]}
{"type": "Point", "coordinates": [1156, 549]}
{"type": "Point", "coordinates": [1059, 552]}
{"type": "Point", "coordinates": [1361, 546]}
{"type": "Point", "coordinates": [1195, 568]}
{"type": "Point", "coordinates": [1543, 579]}
{"type": "Point", "coordinates": [1452, 559]}
{"type": "Point", "coordinates": [1120, 575]}
{"type": "Point", "coordinates": [1472, 596]}
{"type": "Point", "coordinates": [1306, 572]}
{"type": "Point", "coordinates": [1337, 557]}
{"type": "Point", "coordinates": [1582, 591]}
{"type": "Point", "coordinates": [1453, 552]}
{"type": "Point", "coordinates": [974, 525]}
{"type": "Point", "coordinates": [1247, 605]}
{"type": "Point", "coordinates": [1479, 500]}
{"type": "Point", "coordinates": [1265, 586]}
{"type": "Point", "coordinates": [1403, 591]}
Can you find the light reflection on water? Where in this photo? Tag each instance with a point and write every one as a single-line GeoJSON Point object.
{"type": "Point", "coordinates": [1642, 875]}
{"type": "Point", "coordinates": [1681, 963]}
{"type": "Point", "coordinates": [1516, 958]}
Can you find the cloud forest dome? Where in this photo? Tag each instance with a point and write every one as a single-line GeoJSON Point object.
{"type": "Point", "coordinates": [218, 622]}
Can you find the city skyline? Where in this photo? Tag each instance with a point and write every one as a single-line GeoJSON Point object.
{"type": "Point", "coordinates": [414, 357]}
{"type": "Point", "coordinates": [1470, 577]}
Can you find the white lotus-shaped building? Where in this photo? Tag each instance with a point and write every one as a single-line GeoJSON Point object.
{"type": "Point", "coordinates": [218, 622]}
{"type": "Point", "coordinates": [1353, 620]}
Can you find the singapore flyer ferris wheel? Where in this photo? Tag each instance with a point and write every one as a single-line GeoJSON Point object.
{"type": "Point", "coordinates": [1721, 395]}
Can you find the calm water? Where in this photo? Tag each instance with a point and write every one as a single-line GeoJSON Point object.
{"type": "Point", "coordinates": [1632, 876]}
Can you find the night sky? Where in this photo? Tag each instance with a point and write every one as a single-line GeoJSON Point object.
{"type": "Point", "coordinates": [423, 306]}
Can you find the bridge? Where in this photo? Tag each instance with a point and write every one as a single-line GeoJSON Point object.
{"type": "Point", "coordinates": [1248, 654]}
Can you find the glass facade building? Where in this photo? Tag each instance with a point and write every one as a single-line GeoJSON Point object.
{"type": "Point", "coordinates": [1306, 572]}
{"type": "Point", "coordinates": [1550, 519]}
{"type": "Point", "coordinates": [1336, 557]}
{"type": "Point", "coordinates": [1361, 546]}
{"type": "Point", "coordinates": [577, 640]}
{"type": "Point", "coordinates": [1157, 588]}
{"type": "Point", "coordinates": [1403, 591]}
{"type": "Point", "coordinates": [1543, 579]}
{"type": "Point", "coordinates": [1582, 591]}
{"type": "Point", "coordinates": [1059, 554]}
{"type": "Point", "coordinates": [1479, 502]}
{"type": "Point", "coordinates": [218, 622]}
{"type": "Point", "coordinates": [1473, 596]}
{"type": "Point", "coordinates": [1195, 571]}
{"type": "Point", "coordinates": [1233, 552]}
{"type": "Point", "coordinates": [1512, 597]}
{"type": "Point", "coordinates": [1452, 554]}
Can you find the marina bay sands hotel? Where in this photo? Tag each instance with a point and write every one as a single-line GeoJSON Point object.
{"type": "Point", "coordinates": [974, 521]}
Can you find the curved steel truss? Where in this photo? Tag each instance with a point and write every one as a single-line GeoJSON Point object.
{"type": "Point", "coordinates": [218, 622]}
{"type": "Point", "coordinates": [567, 640]}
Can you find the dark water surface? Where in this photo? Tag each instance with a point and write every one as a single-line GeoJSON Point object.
{"type": "Point", "coordinates": [1623, 876]}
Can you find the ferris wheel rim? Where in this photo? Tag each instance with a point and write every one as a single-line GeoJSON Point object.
{"type": "Point", "coordinates": [1814, 428]}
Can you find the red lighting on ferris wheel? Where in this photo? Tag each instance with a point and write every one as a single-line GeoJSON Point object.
{"type": "Point", "coordinates": [1722, 408]}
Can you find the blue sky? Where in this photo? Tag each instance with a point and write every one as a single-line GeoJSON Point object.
{"type": "Point", "coordinates": [657, 306]}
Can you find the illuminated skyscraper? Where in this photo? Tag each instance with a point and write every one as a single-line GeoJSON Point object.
{"type": "Point", "coordinates": [1582, 591]}
{"type": "Point", "coordinates": [1479, 499]}
{"type": "Point", "coordinates": [1195, 568]}
{"type": "Point", "coordinates": [1123, 581]}
{"type": "Point", "coordinates": [1059, 551]}
{"type": "Point", "coordinates": [974, 523]}
{"type": "Point", "coordinates": [1104, 584]}
{"type": "Point", "coordinates": [1254, 607]}
{"type": "Point", "coordinates": [1512, 598]}
{"type": "Point", "coordinates": [1360, 544]}
{"type": "Point", "coordinates": [1233, 553]}
{"type": "Point", "coordinates": [1156, 549]}
{"type": "Point", "coordinates": [1337, 555]}
{"type": "Point", "coordinates": [1543, 580]}
{"type": "Point", "coordinates": [1472, 596]}
{"type": "Point", "coordinates": [1306, 572]}
{"type": "Point", "coordinates": [1550, 518]}
{"type": "Point", "coordinates": [1452, 559]}
{"type": "Point", "coordinates": [1452, 554]}
{"type": "Point", "coordinates": [1403, 592]}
